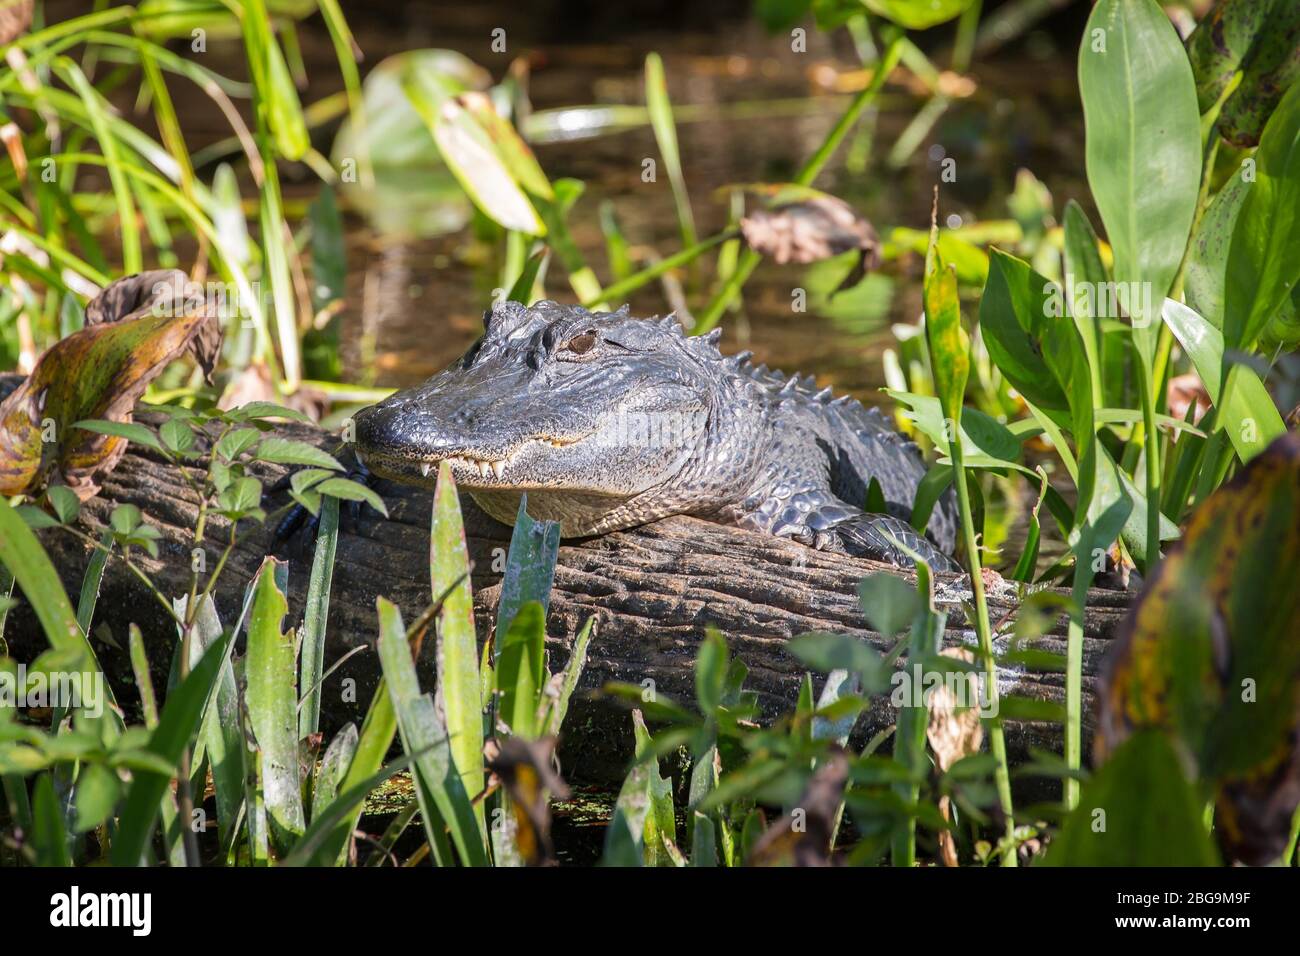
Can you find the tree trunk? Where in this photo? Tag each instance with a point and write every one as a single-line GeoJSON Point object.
{"type": "Point", "coordinates": [652, 591]}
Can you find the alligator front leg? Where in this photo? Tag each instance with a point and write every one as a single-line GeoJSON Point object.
{"type": "Point", "coordinates": [820, 520]}
{"type": "Point", "coordinates": [879, 537]}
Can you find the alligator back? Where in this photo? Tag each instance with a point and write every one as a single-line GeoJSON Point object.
{"type": "Point", "coordinates": [858, 444]}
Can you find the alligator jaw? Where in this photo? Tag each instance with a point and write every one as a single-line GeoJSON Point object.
{"type": "Point", "coordinates": [495, 468]}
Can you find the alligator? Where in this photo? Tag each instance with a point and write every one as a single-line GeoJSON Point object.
{"type": "Point", "coordinates": [607, 421]}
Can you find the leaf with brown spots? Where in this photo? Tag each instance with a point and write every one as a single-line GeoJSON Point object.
{"type": "Point", "coordinates": [1261, 40]}
{"type": "Point", "coordinates": [135, 328]}
{"type": "Point", "coordinates": [1210, 654]}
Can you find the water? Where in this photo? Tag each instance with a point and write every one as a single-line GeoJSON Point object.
{"type": "Point", "coordinates": [412, 307]}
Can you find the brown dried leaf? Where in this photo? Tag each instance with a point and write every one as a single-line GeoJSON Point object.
{"type": "Point", "coordinates": [809, 844]}
{"type": "Point", "coordinates": [955, 733]}
{"type": "Point", "coordinates": [811, 227]}
{"type": "Point", "coordinates": [133, 332]}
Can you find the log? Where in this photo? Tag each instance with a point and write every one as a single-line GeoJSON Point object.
{"type": "Point", "coordinates": [653, 591]}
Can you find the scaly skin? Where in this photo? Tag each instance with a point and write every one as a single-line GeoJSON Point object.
{"type": "Point", "coordinates": [607, 421]}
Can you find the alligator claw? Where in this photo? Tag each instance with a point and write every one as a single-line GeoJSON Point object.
{"type": "Point", "coordinates": [299, 526]}
{"type": "Point", "coordinates": [877, 536]}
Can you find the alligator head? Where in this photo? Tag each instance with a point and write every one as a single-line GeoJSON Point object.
{"type": "Point", "coordinates": [603, 419]}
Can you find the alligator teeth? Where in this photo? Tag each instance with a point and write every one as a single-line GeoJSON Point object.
{"type": "Point", "coordinates": [498, 468]}
{"type": "Point", "coordinates": [425, 468]}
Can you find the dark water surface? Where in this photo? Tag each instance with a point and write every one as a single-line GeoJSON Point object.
{"type": "Point", "coordinates": [412, 307]}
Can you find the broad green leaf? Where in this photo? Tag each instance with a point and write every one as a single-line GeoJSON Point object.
{"type": "Point", "coordinates": [1262, 267]}
{"type": "Point", "coordinates": [827, 653]}
{"type": "Point", "coordinates": [459, 694]}
{"type": "Point", "coordinates": [237, 441]}
{"type": "Point", "coordinates": [1085, 276]}
{"type": "Point", "coordinates": [338, 755]}
{"type": "Point", "coordinates": [711, 671]}
{"type": "Point", "coordinates": [261, 410]}
{"type": "Point", "coordinates": [412, 191]}
{"type": "Point", "coordinates": [1016, 306]}
{"type": "Point", "coordinates": [176, 435]}
{"type": "Point", "coordinates": [1249, 416]}
{"type": "Point", "coordinates": [98, 789]}
{"type": "Point", "coordinates": [490, 170]}
{"type": "Point", "coordinates": [1207, 262]}
{"type": "Point", "coordinates": [918, 14]}
{"type": "Point", "coordinates": [129, 431]}
{"type": "Point", "coordinates": [889, 603]}
{"type": "Point", "coordinates": [985, 442]}
{"type": "Point", "coordinates": [1137, 810]}
{"type": "Point", "coordinates": [350, 490]}
{"type": "Point", "coordinates": [65, 503]}
{"type": "Point", "coordinates": [271, 671]}
{"type": "Point", "coordinates": [1143, 150]}
{"type": "Point", "coordinates": [1039, 339]}
{"type": "Point", "coordinates": [288, 451]}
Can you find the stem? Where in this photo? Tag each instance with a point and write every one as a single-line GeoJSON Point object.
{"type": "Point", "coordinates": [749, 259]}
{"type": "Point", "coordinates": [1074, 679]}
{"type": "Point", "coordinates": [965, 42]}
{"type": "Point", "coordinates": [647, 275]}
{"type": "Point", "coordinates": [1152, 438]}
{"type": "Point", "coordinates": [134, 569]}
{"type": "Point", "coordinates": [997, 743]}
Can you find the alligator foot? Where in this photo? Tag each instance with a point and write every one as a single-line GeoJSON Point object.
{"type": "Point", "coordinates": [299, 527]}
{"type": "Point", "coordinates": [878, 537]}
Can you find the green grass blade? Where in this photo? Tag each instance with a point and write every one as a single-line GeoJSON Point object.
{"type": "Point", "coordinates": [530, 568]}
{"type": "Point", "coordinates": [270, 669]}
{"type": "Point", "coordinates": [90, 583]}
{"type": "Point", "coordinates": [177, 726]}
{"type": "Point", "coordinates": [520, 671]}
{"type": "Point", "coordinates": [316, 616]}
{"type": "Point", "coordinates": [132, 256]}
{"type": "Point", "coordinates": [459, 692]}
{"type": "Point", "coordinates": [444, 800]}
{"type": "Point", "coordinates": [665, 130]}
{"type": "Point", "coordinates": [572, 674]}
{"type": "Point", "coordinates": [48, 833]}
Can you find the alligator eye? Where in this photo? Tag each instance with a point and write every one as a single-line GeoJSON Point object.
{"type": "Point", "coordinates": [581, 344]}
